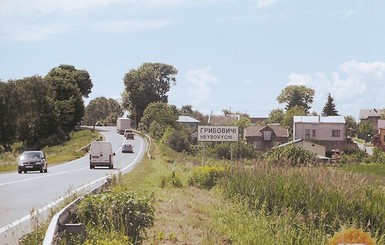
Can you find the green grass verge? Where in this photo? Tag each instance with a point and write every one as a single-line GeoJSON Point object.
{"type": "Point", "coordinates": [377, 169]}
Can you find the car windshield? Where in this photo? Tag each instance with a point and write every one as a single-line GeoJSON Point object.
{"type": "Point", "coordinates": [30, 155]}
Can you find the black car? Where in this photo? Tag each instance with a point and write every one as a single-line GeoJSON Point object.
{"type": "Point", "coordinates": [32, 161]}
{"type": "Point", "coordinates": [127, 148]}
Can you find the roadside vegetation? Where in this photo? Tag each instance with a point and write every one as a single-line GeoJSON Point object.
{"type": "Point", "coordinates": [243, 201]}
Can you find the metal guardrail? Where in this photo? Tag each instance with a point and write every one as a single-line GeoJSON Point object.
{"type": "Point", "coordinates": [59, 221]}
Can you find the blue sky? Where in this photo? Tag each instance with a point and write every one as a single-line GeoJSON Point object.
{"type": "Point", "coordinates": [230, 54]}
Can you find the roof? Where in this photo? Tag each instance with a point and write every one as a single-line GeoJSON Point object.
{"type": "Point", "coordinates": [223, 119]}
{"type": "Point", "coordinates": [319, 119]}
{"type": "Point", "coordinates": [366, 113]}
{"type": "Point", "coordinates": [287, 143]}
{"type": "Point", "coordinates": [258, 120]}
{"type": "Point", "coordinates": [187, 119]}
{"type": "Point", "coordinates": [256, 130]}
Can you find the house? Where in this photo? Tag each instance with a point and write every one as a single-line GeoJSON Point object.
{"type": "Point", "coordinates": [228, 119]}
{"type": "Point", "coordinates": [329, 131]}
{"type": "Point", "coordinates": [371, 116]}
{"type": "Point", "coordinates": [188, 121]}
{"type": "Point", "coordinates": [379, 138]}
{"type": "Point", "coordinates": [264, 137]}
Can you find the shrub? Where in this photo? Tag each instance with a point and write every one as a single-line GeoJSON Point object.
{"type": "Point", "coordinates": [117, 212]}
{"type": "Point", "coordinates": [206, 176]}
{"type": "Point", "coordinates": [290, 155]}
{"type": "Point", "coordinates": [171, 179]}
{"type": "Point", "coordinates": [378, 155]}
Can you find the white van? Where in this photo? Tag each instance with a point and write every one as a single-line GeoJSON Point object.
{"type": "Point", "coordinates": [101, 154]}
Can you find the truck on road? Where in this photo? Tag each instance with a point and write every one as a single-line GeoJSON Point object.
{"type": "Point", "coordinates": [122, 124]}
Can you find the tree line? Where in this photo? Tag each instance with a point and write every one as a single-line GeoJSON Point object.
{"type": "Point", "coordinates": [40, 111]}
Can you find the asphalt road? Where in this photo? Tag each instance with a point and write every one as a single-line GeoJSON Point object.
{"type": "Point", "coordinates": [24, 194]}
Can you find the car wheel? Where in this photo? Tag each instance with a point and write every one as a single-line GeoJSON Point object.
{"type": "Point", "coordinates": [90, 167]}
{"type": "Point", "coordinates": [19, 172]}
{"type": "Point", "coordinates": [25, 171]}
{"type": "Point", "coordinates": [111, 166]}
{"type": "Point", "coordinates": [45, 170]}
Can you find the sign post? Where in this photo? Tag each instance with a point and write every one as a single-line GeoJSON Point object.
{"type": "Point", "coordinates": [218, 134]}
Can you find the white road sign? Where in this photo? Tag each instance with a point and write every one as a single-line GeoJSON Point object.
{"type": "Point", "coordinates": [217, 133]}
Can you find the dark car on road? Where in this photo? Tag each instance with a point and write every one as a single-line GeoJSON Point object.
{"type": "Point", "coordinates": [127, 148]}
{"type": "Point", "coordinates": [32, 161]}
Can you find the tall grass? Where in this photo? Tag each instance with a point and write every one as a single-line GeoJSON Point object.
{"type": "Point", "coordinates": [319, 197]}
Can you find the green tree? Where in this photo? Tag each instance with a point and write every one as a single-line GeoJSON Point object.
{"type": "Point", "coordinates": [297, 95]}
{"type": "Point", "coordinates": [149, 83]}
{"type": "Point", "coordinates": [365, 130]}
{"type": "Point", "coordinates": [103, 110]}
{"type": "Point", "coordinates": [157, 117]}
{"type": "Point", "coordinates": [8, 113]}
{"type": "Point", "coordinates": [68, 86]}
{"type": "Point", "coordinates": [37, 123]}
{"type": "Point", "coordinates": [330, 108]}
{"type": "Point", "coordinates": [178, 138]}
{"type": "Point", "coordinates": [276, 116]}
{"type": "Point", "coordinates": [351, 125]}
{"type": "Point", "coordinates": [243, 123]}
{"type": "Point", "coordinates": [79, 78]}
{"type": "Point", "coordinates": [289, 115]}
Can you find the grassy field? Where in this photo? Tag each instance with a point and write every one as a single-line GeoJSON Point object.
{"type": "Point", "coordinates": [282, 205]}
{"type": "Point", "coordinates": [254, 202]}
{"type": "Point", "coordinates": [70, 150]}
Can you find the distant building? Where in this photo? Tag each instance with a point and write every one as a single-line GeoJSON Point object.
{"type": "Point", "coordinates": [329, 131]}
{"type": "Point", "coordinates": [371, 116]}
{"type": "Point", "coordinates": [188, 121]}
{"type": "Point", "coordinates": [258, 120]}
{"type": "Point", "coordinates": [378, 139]}
{"type": "Point", "coordinates": [264, 137]}
{"type": "Point", "coordinates": [229, 119]}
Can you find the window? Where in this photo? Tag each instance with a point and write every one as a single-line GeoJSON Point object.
{"type": "Point", "coordinates": [266, 135]}
{"type": "Point", "coordinates": [336, 133]}
{"type": "Point", "coordinates": [313, 133]}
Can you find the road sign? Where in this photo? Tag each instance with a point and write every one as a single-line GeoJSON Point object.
{"type": "Point", "coordinates": [218, 133]}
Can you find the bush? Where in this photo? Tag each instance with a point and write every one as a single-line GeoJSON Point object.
{"type": "Point", "coordinates": [378, 155]}
{"type": "Point", "coordinates": [117, 212]}
{"type": "Point", "coordinates": [172, 179]}
{"type": "Point", "coordinates": [206, 176]}
{"type": "Point", "coordinates": [291, 155]}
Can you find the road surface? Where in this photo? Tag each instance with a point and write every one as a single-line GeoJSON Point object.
{"type": "Point", "coordinates": [23, 194]}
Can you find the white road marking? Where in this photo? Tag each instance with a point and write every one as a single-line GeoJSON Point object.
{"type": "Point", "coordinates": [57, 201]}
{"type": "Point", "coordinates": [40, 177]}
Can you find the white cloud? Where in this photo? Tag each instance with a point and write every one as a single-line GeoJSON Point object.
{"type": "Point", "coordinates": [265, 3]}
{"type": "Point", "coordinates": [131, 25]}
{"type": "Point", "coordinates": [26, 32]}
{"type": "Point", "coordinates": [200, 81]}
{"type": "Point", "coordinates": [356, 85]}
